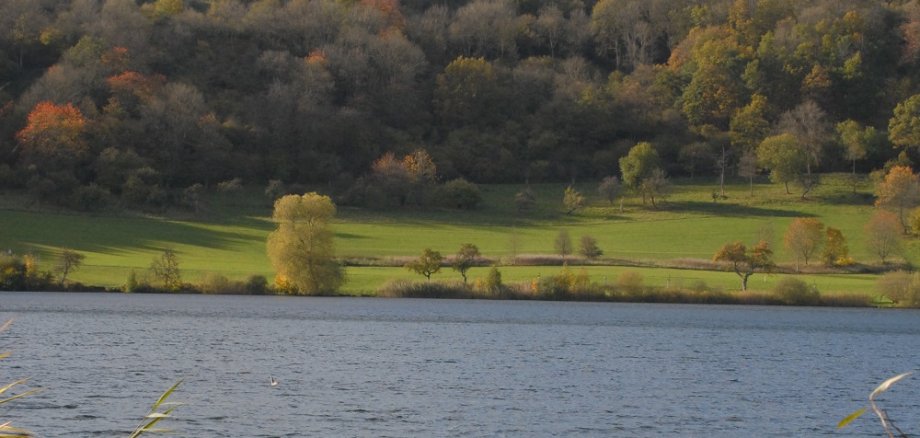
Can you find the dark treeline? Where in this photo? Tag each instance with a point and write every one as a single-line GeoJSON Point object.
{"type": "Point", "coordinates": [135, 100]}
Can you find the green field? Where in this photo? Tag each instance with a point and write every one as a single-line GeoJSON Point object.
{"type": "Point", "coordinates": [229, 236]}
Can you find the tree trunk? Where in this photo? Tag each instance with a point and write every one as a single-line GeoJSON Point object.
{"type": "Point", "coordinates": [722, 164]}
{"type": "Point", "coordinates": [751, 180]}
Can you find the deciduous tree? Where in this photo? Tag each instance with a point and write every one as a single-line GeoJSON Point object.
{"type": "Point", "coordinates": [745, 263]}
{"type": "Point", "coordinates": [589, 248]}
{"type": "Point", "coordinates": [639, 163]}
{"type": "Point", "coordinates": [563, 244]}
{"type": "Point", "coordinates": [835, 248]}
{"type": "Point", "coordinates": [165, 268]}
{"type": "Point", "coordinates": [883, 234]}
{"type": "Point", "coordinates": [808, 123]}
{"type": "Point", "coordinates": [899, 191]}
{"type": "Point", "coordinates": [426, 264]}
{"type": "Point", "coordinates": [465, 259]}
{"type": "Point", "coordinates": [783, 155]}
{"type": "Point", "coordinates": [70, 261]}
{"type": "Point", "coordinates": [572, 200]}
{"type": "Point", "coordinates": [301, 249]}
{"type": "Point", "coordinates": [803, 239]}
{"type": "Point", "coordinates": [855, 140]}
{"type": "Point", "coordinates": [904, 126]}
{"type": "Point", "coordinates": [609, 188]}
{"type": "Point", "coordinates": [655, 186]}
{"type": "Point", "coordinates": [747, 167]}
{"type": "Point", "coordinates": [53, 138]}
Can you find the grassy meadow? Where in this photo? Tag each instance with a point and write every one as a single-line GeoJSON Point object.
{"type": "Point", "coordinates": [228, 236]}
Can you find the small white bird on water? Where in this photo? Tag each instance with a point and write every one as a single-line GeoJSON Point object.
{"type": "Point", "coordinates": [272, 381]}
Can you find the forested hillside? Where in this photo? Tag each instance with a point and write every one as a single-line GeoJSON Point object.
{"type": "Point", "coordinates": [133, 100]}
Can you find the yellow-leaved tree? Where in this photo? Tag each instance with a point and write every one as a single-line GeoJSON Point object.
{"type": "Point", "coordinates": [301, 249]}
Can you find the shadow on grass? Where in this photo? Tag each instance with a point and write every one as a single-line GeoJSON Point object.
{"type": "Point", "coordinates": [726, 209]}
{"type": "Point", "coordinates": [437, 217]}
{"type": "Point", "coordinates": [349, 236]}
{"type": "Point", "coordinates": [111, 234]}
{"type": "Point", "coordinates": [864, 199]}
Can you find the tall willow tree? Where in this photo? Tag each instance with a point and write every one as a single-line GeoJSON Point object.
{"type": "Point", "coordinates": [301, 248]}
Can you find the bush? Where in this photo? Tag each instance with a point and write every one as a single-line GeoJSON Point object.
{"type": "Point", "coordinates": [567, 285]}
{"type": "Point", "coordinates": [901, 287]}
{"type": "Point", "coordinates": [230, 186]}
{"type": "Point", "coordinates": [914, 221]}
{"type": "Point", "coordinates": [630, 282]}
{"type": "Point", "coordinates": [131, 283]}
{"type": "Point", "coordinates": [493, 282]}
{"type": "Point", "coordinates": [589, 248]}
{"type": "Point", "coordinates": [460, 193]}
{"type": "Point", "coordinates": [213, 283]}
{"type": "Point", "coordinates": [20, 273]}
{"type": "Point", "coordinates": [796, 292]}
{"type": "Point", "coordinates": [410, 289]}
{"type": "Point", "coordinates": [525, 200]}
{"type": "Point", "coordinates": [12, 273]}
{"type": "Point", "coordinates": [257, 285]}
{"type": "Point", "coordinates": [90, 198]}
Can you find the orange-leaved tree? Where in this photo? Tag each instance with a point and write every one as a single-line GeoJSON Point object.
{"type": "Point", "coordinates": [899, 191]}
{"type": "Point", "coordinates": [746, 262]}
{"type": "Point", "coordinates": [53, 136]}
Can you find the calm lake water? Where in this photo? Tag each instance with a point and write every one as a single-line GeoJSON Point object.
{"type": "Point", "coordinates": [400, 367]}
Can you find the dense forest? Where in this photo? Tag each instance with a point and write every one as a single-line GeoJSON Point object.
{"type": "Point", "coordinates": [134, 100]}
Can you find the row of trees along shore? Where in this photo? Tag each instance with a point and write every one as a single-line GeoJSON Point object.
{"type": "Point", "coordinates": [136, 103]}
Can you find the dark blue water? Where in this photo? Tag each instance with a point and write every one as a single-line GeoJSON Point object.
{"type": "Point", "coordinates": [398, 367]}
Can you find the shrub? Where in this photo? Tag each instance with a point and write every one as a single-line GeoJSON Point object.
{"type": "Point", "coordinates": [131, 283]}
{"type": "Point", "coordinates": [914, 221]}
{"type": "Point", "coordinates": [12, 273]}
{"type": "Point", "coordinates": [230, 186]}
{"type": "Point", "coordinates": [525, 200]}
{"type": "Point", "coordinates": [796, 292]}
{"type": "Point", "coordinates": [630, 282]}
{"type": "Point", "coordinates": [411, 289]}
{"type": "Point", "coordinates": [566, 285]}
{"type": "Point", "coordinates": [461, 194]}
{"type": "Point", "coordinates": [572, 200]}
{"type": "Point", "coordinates": [214, 283]}
{"type": "Point", "coordinates": [901, 287]}
{"type": "Point", "coordinates": [90, 198]}
{"type": "Point", "coordinates": [257, 285]}
{"type": "Point", "coordinates": [20, 273]}
{"type": "Point", "coordinates": [589, 248]}
{"type": "Point", "coordinates": [699, 286]}
{"type": "Point", "coordinates": [493, 283]}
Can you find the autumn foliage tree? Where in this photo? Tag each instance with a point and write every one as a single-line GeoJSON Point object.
{"type": "Point", "coordinates": [899, 191]}
{"type": "Point", "coordinates": [53, 138]}
{"type": "Point", "coordinates": [883, 235]}
{"type": "Point", "coordinates": [835, 250]}
{"type": "Point", "coordinates": [301, 248]}
{"type": "Point", "coordinates": [803, 239]}
{"type": "Point", "coordinates": [745, 262]}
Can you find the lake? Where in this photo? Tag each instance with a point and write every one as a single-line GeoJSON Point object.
{"type": "Point", "coordinates": [401, 367]}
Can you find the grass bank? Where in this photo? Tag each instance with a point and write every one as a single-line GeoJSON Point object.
{"type": "Point", "coordinates": [228, 237]}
